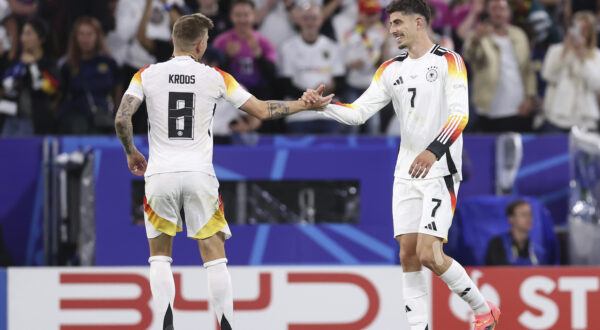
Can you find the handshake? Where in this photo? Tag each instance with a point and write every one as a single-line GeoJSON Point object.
{"type": "Point", "coordinates": [313, 99]}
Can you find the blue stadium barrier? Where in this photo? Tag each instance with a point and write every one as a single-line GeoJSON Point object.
{"type": "Point", "coordinates": [370, 160]}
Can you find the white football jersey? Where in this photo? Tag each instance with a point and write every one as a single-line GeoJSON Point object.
{"type": "Point", "coordinates": [181, 96]}
{"type": "Point", "coordinates": [430, 97]}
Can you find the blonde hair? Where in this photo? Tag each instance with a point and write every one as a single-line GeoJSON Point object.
{"type": "Point", "coordinates": [189, 30]}
{"type": "Point", "coordinates": [590, 21]}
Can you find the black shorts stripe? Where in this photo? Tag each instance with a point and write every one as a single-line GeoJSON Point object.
{"type": "Point", "coordinates": [449, 183]}
{"type": "Point", "coordinates": [451, 166]}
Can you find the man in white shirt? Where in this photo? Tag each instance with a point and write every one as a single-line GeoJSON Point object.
{"type": "Point", "coordinates": [181, 96]}
{"type": "Point", "coordinates": [363, 47]}
{"type": "Point", "coordinates": [504, 92]}
{"type": "Point", "coordinates": [428, 87]}
{"type": "Point", "coordinates": [307, 60]}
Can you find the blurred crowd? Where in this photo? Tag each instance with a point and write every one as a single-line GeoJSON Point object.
{"type": "Point", "coordinates": [534, 65]}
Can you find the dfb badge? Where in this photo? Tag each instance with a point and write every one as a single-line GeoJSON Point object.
{"type": "Point", "coordinates": [432, 74]}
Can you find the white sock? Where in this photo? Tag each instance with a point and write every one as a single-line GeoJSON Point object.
{"type": "Point", "coordinates": [162, 286]}
{"type": "Point", "coordinates": [414, 289]}
{"type": "Point", "coordinates": [220, 292]}
{"type": "Point", "coordinates": [460, 283]}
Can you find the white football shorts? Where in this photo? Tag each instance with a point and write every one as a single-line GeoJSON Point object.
{"type": "Point", "coordinates": [196, 192]}
{"type": "Point", "coordinates": [424, 205]}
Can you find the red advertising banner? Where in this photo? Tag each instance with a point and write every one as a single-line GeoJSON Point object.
{"type": "Point", "coordinates": [530, 298]}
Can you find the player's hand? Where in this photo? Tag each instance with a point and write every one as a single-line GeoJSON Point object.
{"type": "Point", "coordinates": [314, 99]}
{"type": "Point", "coordinates": [137, 163]}
{"type": "Point", "coordinates": [422, 164]}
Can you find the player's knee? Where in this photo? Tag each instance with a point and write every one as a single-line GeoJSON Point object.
{"type": "Point", "coordinates": [427, 259]}
{"type": "Point", "coordinates": [408, 257]}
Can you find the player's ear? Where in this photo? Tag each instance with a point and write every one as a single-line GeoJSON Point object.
{"type": "Point", "coordinates": [421, 23]}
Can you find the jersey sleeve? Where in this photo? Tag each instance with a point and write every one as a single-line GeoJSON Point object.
{"type": "Point", "coordinates": [457, 100]}
{"type": "Point", "coordinates": [231, 90]}
{"type": "Point", "coordinates": [135, 86]}
{"type": "Point", "coordinates": [372, 100]}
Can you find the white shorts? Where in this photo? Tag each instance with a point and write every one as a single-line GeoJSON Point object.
{"type": "Point", "coordinates": [196, 192]}
{"type": "Point", "coordinates": [424, 206]}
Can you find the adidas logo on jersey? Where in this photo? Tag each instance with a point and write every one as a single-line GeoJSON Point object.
{"type": "Point", "coordinates": [431, 226]}
{"type": "Point", "coordinates": [399, 81]}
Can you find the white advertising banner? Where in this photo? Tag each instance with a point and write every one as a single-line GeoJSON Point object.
{"type": "Point", "coordinates": [265, 298]}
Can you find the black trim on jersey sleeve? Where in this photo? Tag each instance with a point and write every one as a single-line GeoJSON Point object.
{"type": "Point", "coordinates": [437, 148]}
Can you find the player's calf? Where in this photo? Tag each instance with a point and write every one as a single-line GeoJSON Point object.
{"type": "Point", "coordinates": [220, 291]}
{"type": "Point", "coordinates": [162, 286]}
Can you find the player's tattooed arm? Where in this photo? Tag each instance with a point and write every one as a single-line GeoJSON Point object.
{"type": "Point", "coordinates": [278, 109]}
{"type": "Point", "coordinates": [123, 125]}
{"type": "Point", "coordinates": [265, 110]}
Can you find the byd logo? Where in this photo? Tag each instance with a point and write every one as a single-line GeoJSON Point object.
{"type": "Point", "coordinates": [142, 303]}
{"type": "Point", "coordinates": [529, 298]}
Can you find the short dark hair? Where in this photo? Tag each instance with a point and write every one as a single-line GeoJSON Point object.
{"type": "Point", "coordinates": [410, 7]}
{"type": "Point", "coordinates": [510, 208]}
{"type": "Point", "coordinates": [242, 2]}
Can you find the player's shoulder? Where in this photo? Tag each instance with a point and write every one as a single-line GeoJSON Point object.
{"type": "Point", "coordinates": [390, 65]}
{"type": "Point", "coordinates": [394, 62]}
{"type": "Point", "coordinates": [450, 57]}
{"type": "Point", "coordinates": [219, 75]}
{"type": "Point", "coordinates": [445, 53]}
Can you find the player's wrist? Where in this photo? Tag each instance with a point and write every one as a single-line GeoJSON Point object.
{"type": "Point", "coordinates": [437, 148]}
{"type": "Point", "coordinates": [130, 150]}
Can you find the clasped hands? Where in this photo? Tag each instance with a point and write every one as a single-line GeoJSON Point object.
{"type": "Point", "coordinates": [314, 99]}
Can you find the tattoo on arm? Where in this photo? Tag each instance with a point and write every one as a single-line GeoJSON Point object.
{"type": "Point", "coordinates": [123, 126]}
{"type": "Point", "coordinates": [278, 109]}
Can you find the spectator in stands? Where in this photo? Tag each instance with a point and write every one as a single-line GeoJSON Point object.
{"type": "Point", "coordinates": [449, 17]}
{"type": "Point", "coordinates": [469, 23]}
{"type": "Point", "coordinates": [92, 82]}
{"type": "Point", "coordinates": [9, 33]}
{"type": "Point", "coordinates": [572, 70]}
{"type": "Point", "coordinates": [363, 48]}
{"type": "Point", "coordinates": [514, 247]}
{"type": "Point", "coordinates": [218, 14]}
{"type": "Point", "coordinates": [308, 60]}
{"type": "Point", "coordinates": [344, 18]}
{"type": "Point", "coordinates": [276, 20]}
{"type": "Point", "coordinates": [330, 9]}
{"type": "Point", "coordinates": [159, 46]}
{"type": "Point", "coordinates": [128, 51]}
{"type": "Point", "coordinates": [251, 57]}
{"type": "Point", "coordinates": [504, 85]}
{"type": "Point", "coordinates": [30, 85]}
{"type": "Point", "coordinates": [230, 124]}
{"type": "Point", "coordinates": [573, 6]}
{"type": "Point", "coordinates": [533, 18]}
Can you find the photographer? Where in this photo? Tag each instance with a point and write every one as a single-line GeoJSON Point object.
{"type": "Point", "coordinates": [572, 70]}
